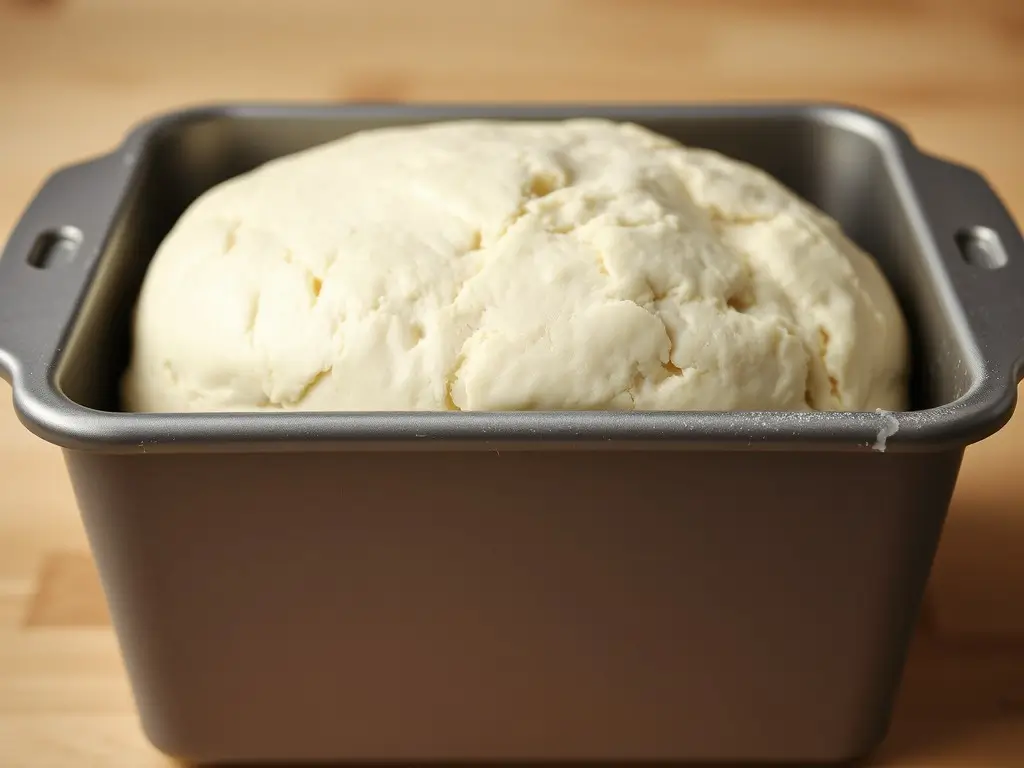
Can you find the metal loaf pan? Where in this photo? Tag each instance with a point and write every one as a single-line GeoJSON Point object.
{"type": "Point", "coordinates": [515, 586]}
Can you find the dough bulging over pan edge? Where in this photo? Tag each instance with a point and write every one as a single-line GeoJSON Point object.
{"type": "Point", "coordinates": [485, 265]}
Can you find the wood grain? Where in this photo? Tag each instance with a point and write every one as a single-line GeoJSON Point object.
{"type": "Point", "coordinates": [76, 74]}
{"type": "Point", "coordinates": [67, 593]}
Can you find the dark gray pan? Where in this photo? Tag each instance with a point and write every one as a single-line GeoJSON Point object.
{"type": "Point", "coordinates": [515, 586]}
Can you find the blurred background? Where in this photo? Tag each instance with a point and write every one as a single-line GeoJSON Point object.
{"type": "Point", "coordinates": [76, 74]}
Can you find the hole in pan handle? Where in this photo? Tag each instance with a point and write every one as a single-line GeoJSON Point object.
{"type": "Point", "coordinates": [982, 247]}
{"type": "Point", "coordinates": [983, 254]}
{"type": "Point", "coordinates": [55, 247]}
{"type": "Point", "coordinates": [48, 261]}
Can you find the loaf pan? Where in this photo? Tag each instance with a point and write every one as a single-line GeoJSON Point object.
{"type": "Point", "coordinates": [515, 586]}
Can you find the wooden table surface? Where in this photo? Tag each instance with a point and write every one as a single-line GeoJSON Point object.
{"type": "Point", "coordinates": [74, 74]}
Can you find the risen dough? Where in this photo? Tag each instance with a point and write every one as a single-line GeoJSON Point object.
{"type": "Point", "coordinates": [492, 266]}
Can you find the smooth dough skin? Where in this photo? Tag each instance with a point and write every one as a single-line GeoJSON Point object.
{"type": "Point", "coordinates": [481, 265]}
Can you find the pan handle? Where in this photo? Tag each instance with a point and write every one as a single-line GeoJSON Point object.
{"type": "Point", "coordinates": [983, 254]}
{"type": "Point", "coordinates": [49, 260]}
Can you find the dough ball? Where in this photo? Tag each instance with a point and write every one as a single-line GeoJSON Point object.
{"type": "Point", "coordinates": [484, 265]}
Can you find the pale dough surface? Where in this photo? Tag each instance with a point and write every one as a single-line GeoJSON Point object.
{"type": "Point", "coordinates": [484, 265]}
